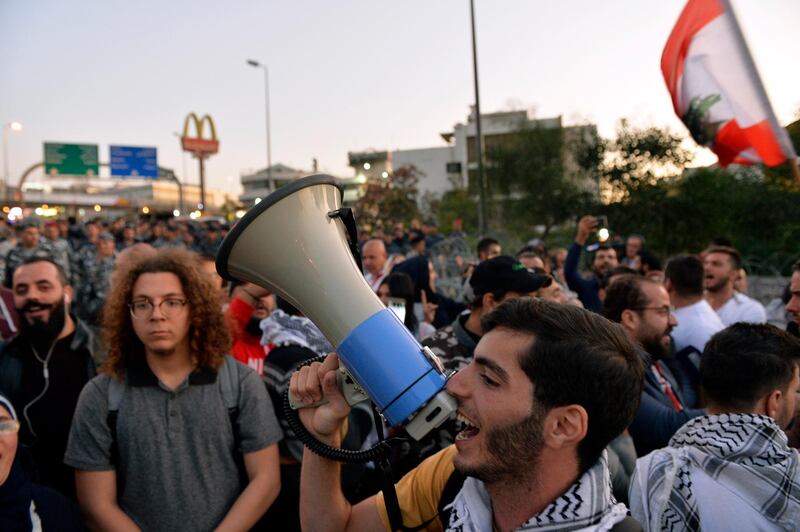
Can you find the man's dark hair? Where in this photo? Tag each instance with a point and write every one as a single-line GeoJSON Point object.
{"type": "Point", "coordinates": [650, 260]}
{"type": "Point", "coordinates": [733, 255]}
{"type": "Point", "coordinates": [625, 293]}
{"type": "Point", "coordinates": [485, 244]}
{"type": "Point", "coordinates": [685, 273]}
{"type": "Point", "coordinates": [576, 357]}
{"type": "Point", "coordinates": [746, 361]}
{"type": "Point", "coordinates": [796, 267]}
{"type": "Point", "coordinates": [616, 272]}
{"type": "Point", "coordinates": [43, 256]}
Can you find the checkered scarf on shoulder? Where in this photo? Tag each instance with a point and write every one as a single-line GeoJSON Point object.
{"type": "Point", "coordinates": [588, 505]}
{"type": "Point", "coordinates": [746, 453]}
{"type": "Point", "coordinates": [281, 329]}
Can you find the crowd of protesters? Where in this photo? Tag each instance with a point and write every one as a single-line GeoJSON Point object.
{"type": "Point", "coordinates": [141, 391]}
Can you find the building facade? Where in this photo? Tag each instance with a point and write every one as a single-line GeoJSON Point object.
{"type": "Point", "coordinates": [448, 167]}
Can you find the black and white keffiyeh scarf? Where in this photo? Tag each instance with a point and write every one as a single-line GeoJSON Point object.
{"type": "Point", "coordinates": [281, 329]}
{"type": "Point", "coordinates": [588, 505]}
{"type": "Point", "coordinates": [746, 453]}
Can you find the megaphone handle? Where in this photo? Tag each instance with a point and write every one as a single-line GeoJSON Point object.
{"type": "Point", "coordinates": [349, 220]}
{"type": "Point", "coordinates": [350, 389]}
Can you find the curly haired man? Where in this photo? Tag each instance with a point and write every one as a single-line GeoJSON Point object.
{"type": "Point", "coordinates": [155, 442]}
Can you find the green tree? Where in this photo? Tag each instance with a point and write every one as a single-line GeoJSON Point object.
{"type": "Point", "coordinates": [458, 204]}
{"type": "Point", "coordinates": [391, 199]}
{"type": "Point", "coordinates": [683, 213]}
{"type": "Point", "coordinates": [540, 177]}
{"type": "Point", "coordinates": [638, 157]}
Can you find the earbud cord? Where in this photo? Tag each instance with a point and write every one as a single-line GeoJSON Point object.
{"type": "Point", "coordinates": [46, 375]}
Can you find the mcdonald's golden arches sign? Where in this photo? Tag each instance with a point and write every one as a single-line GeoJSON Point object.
{"type": "Point", "coordinates": [198, 145]}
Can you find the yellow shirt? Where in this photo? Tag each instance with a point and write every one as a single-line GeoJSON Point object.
{"type": "Point", "coordinates": [420, 490]}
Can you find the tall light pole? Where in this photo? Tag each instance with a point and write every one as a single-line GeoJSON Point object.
{"type": "Point", "coordinates": [184, 177]}
{"type": "Point", "coordinates": [256, 64]}
{"type": "Point", "coordinates": [482, 211]}
{"type": "Point", "coordinates": [11, 126]}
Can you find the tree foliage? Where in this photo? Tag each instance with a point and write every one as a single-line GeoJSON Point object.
{"type": "Point", "coordinates": [639, 157]}
{"type": "Point", "coordinates": [458, 204]}
{"type": "Point", "coordinates": [391, 199]}
{"type": "Point", "coordinates": [682, 214]}
{"type": "Point", "coordinates": [540, 177]}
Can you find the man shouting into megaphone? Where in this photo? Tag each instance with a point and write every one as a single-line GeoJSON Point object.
{"type": "Point", "coordinates": [549, 387]}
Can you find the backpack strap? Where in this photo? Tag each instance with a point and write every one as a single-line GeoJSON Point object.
{"type": "Point", "coordinates": [451, 489]}
{"type": "Point", "coordinates": [228, 379]}
{"type": "Point", "coordinates": [116, 389]}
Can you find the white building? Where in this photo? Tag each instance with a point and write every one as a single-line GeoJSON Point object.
{"type": "Point", "coordinates": [447, 167]}
{"type": "Point", "coordinates": [257, 185]}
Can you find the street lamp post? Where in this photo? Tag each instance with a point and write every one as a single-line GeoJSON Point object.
{"type": "Point", "coordinates": [256, 64]}
{"type": "Point", "coordinates": [482, 210]}
{"type": "Point", "coordinates": [11, 126]}
{"type": "Point", "coordinates": [183, 176]}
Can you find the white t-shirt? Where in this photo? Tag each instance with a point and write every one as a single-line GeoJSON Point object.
{"type": "Point", "coordinates": [696, 324]}
{"type": "Point", "coordinates": [742, 308]}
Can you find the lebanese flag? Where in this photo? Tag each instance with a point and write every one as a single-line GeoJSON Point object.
{"type": "Point", "coordinates": [716, 90]}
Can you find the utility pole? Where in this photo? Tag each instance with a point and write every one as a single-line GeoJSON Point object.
{"type": "Point", "coordinates": [483, 213]}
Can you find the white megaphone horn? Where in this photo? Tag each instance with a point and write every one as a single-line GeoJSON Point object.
{"type": "Point", "coordinates": [299, 242]}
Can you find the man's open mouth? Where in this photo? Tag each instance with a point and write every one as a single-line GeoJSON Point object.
{"type": "Point", "coordinates": [465, 427]}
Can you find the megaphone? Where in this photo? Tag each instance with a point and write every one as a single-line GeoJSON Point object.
{"type": "Point", "coordinates": [299, 242]}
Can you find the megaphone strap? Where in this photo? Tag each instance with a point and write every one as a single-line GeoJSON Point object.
{"type": "Point", "coordinates": [345, 214]}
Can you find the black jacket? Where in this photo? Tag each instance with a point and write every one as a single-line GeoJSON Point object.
{"type": "Point", "coordinates": [85, 340]}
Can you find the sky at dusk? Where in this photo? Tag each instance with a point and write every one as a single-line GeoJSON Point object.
{"type": "Point", "coordinates": [348, 75]}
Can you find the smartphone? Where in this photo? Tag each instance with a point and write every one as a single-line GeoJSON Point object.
{"type": "Point", "coordinates": [602, 228]}
{"type": "Point", "coordinates": [398, 306]}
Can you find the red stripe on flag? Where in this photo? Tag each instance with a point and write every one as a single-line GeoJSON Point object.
{"type": "Point", "coordinates": [731, 140]}
{"type": "Point", "coordinates": [693, 18]}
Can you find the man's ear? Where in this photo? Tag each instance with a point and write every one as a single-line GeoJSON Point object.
{"type": "Point", "coordinates": [772, 403]}
{"type": "Point", "coordinates": [565, 426]}
{"type": "Point", "coordinates": [68, 294]}
{"type": "Point", "coordinates": [667, 285]}
{"type": "Point", "coordinates": [630, 320]}
{"type": "Point", "coordinates": [488, 302]}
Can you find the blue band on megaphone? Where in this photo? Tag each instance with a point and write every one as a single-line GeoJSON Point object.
{"type": "Point", "coordinates": [387, 361]}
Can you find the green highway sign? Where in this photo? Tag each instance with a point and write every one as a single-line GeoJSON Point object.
{"type": "Point", "coordinates": [70, 159]}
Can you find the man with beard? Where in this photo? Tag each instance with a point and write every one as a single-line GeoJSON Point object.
{"type": "Point", "coordinates": [731, 469]}
{"type": "Point", "coordinates": [43, 369]}
{"type": "Point", "coordinates": [605, 260]}
{"type": "Point", "coordinates": [643, 309]}
{"type": "Point", "coordinates": [722, 265]}
{"type": "Point", "coordinates": [550, 386]}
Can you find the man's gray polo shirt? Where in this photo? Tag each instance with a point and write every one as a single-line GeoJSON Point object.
{"type": "Point", "coordinates": [177, 465]}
